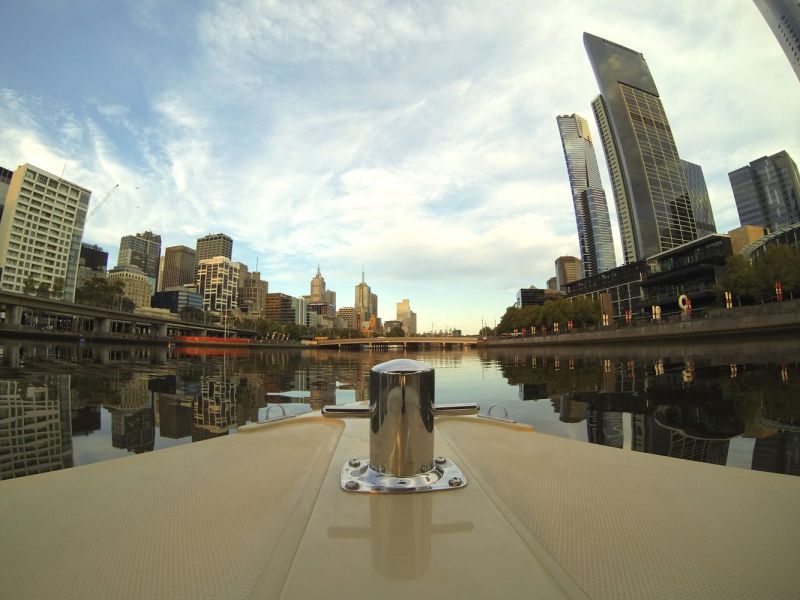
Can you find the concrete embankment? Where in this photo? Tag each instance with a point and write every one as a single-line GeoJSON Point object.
{"type": "Point", "coordinates": [737, 324]}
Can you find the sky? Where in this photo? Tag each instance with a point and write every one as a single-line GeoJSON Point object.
{"type": "Point", "coordinates": [414, 140]}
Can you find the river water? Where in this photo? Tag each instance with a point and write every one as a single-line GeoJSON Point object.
{"type": "Point", "coordinates": [64, 405]}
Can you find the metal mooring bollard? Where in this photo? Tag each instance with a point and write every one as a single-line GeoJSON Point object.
{"type": "Point", "coordinates": [401, 412]}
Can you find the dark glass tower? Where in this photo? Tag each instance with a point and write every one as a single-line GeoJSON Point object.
{"type": "Point", "coordinates": [650, 189]}
{"type": "Point", "coordinates": [767, 191]}
{"type": "Point", "coordinates": [698, 195]}
{"type": "Point", "coordinates": [588, 196]}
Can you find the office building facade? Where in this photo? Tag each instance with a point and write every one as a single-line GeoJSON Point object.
{"type": "Point", "coordinates": [41, 231]}
{"type": "Point", "coordinates": [92, 263]}
{"type": "Point", "coordinates": [650, 189]}
{"type": "Point", "coordinates": [698, 196]}
{"type": "Point", "coordinates": [407, 317]}
{"type": "Point", "coordinates": [767, 192]}
{"type": "Point", "coordinates": [136, 284]}
{"type": "Point", "coordinates": [783, 18]}
{"type": "Point", "coordinates": [252, 293]}
{"type": "Point", "coordinates": [568, 269]}
{"type": "Point", "coordinates": [179, 264]}
{"type": "Point", "coordinates": [218, 284]}
{"type": "Point", "coordinates": [211, 245]}
{"type": "Point", "coordinates": [280, 308]}
{"type": "Point", "coordinates": [588, 197]}
{"type": "Point", "coordinates": [142, 250]}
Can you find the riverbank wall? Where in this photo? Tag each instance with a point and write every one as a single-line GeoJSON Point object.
{"type": "Point", "coordinates": [736, 324]}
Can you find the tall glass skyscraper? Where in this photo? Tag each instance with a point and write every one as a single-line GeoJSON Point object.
{"type": "Point", "coordinates": [767, 191]}
{"type": "Point", "coordinates": [650, 189]}
{"type": "Point", "coordinates": [698, 196]}
{"type": "Point", "coordinates": [588, 196]}
{"type": "Point", "coordinates": [783, 17]}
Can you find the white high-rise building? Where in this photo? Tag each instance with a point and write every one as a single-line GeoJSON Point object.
{"type": "Point", "coordinates": [41, 232]}
{"type": "Point", "coordinates": [218, 283]}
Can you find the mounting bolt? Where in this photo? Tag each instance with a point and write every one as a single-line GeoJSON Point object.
{"type": "Point", "coordinates": [352, 485]}
{"type": "Point", "coordinates": [440, 460]}
{"type": "Point", "coordinates": [354, 462]}
{"type": "Point", "coordinates": [455, 482]}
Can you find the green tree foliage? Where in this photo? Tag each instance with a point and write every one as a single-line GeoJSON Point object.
{"type": "Point", "coordinates": [101, 292]}
{"type": "Point", "coordinates": [755, 282]}
{"type": "Point", "coordinates": [582, 312]}
{"type": "Point", "coordinates": [486, 331]}
{"type": "Point", "coordinates": [58, 288]}
{"type": "Point", "coordinates": [191, 313]}
{"type": "Point", "coordinates": [43, 289]}
{"type": "Point", "coordinates": [396, 332]}
{"type": "Point", "coordinates": [29, 285]}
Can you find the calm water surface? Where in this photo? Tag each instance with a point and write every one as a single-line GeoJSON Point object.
{"type": "Point", "coordinates": [66, 405]}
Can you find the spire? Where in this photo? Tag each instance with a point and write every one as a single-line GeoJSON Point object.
{"type": "Point", "coordinates": [318, 273]}
{"type": "Point", "coordinates": [362, 273]}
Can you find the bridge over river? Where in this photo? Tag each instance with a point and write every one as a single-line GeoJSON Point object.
{"type": "Point", "coordinates": [384, 342]}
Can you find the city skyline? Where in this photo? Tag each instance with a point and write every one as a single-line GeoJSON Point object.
{"type": "Point", "coordinates": [309, 148]}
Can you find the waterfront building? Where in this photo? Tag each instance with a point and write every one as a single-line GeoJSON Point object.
{"type": "Point", "coordinates": [41, 231]}
{"type": "Point", "coordinates": [214, 244]}
{"type": "Point", "coordinates": [692, 270]}
{"type": "Point", "coordinates": [218, 283]}
{"type": "Point", "coordinates": [618, 290]}
{"type": "Point", "coordinates": [534, 296]}
{"type": "Point", "coordinates": [698, 196]}
{"type": "Point", "coordinates": [300, 308]}
{"type": "Point", "coordinates": [767, 191]}
{"type": "Point", "coordinates": [136, 284]}
{"type": "Point", "coordinates": [160, 279]}
{"type": "Point", "coordinates": [552, 283]}
{"type": "Point", "coordinates": [783, 18]}
{"type": "Point", "coordinates": [588, 197]}
{"type": "Point", "coordinates": [785, 236]}
{"type": "Point", "coordinates": [179, 262]}
{"type": "Point", "coordinates": [350, 317]}
{"type": "Point", "coordinates": [92, 262]}
{"type": "Point", "coordinates": [568, 269]}
{"type": "Point", "coordinates": [650, 189]}
{"type": "Point", "coordinates": [142, 250]}
{"type": "Point", "coordinates": [745, 235]}
{"type": "Point", "coordinates": [176, 299]}
{"type": "Point", "coordinates": [279, 308]}
{"type": "Point", "coordinates": [253, 293]}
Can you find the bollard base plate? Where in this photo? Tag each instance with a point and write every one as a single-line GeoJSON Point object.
{"type": "Point", "coordinates": [359, 477]}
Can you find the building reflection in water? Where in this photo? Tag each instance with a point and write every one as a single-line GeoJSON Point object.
{"type": "Point", "coordinates": [686, 409]}
{"type": "Point", "coordinates": [35, 426]}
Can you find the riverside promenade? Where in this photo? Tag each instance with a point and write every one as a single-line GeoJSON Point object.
{"type": "Point", "coordinates": [735, 324]}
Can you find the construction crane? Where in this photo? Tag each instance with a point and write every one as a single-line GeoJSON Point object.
{"type": "Point", "coordinates": [102, 200]}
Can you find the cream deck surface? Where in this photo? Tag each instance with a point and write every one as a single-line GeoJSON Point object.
{"type": "Point", "coordinates": [260, 514]}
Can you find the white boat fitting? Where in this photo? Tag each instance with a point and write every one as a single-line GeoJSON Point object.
{"type": "Point", "coordinates": [267, 513]}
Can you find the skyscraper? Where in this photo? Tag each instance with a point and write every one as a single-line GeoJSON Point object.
{"type": "Point", "coordinates": [41, 231]}
{"type": "Point", "coordinates": [142, 250]}
{"type": "Point", "coordinates": [179, 264]}
{"type": "Point", "coordinates": [588, 197]}
{"type": "Point", "coordinates": [698, 196]}
{"type": "Point", "coordinates": [783, 17]}
{"type": "Point", "coordinates": [407, 317]}
{"type": "Point", "coordinates": [650, 189]}
{"type": "Point", "coordinates": [767, 191]}
{"type": "Point", "coordinates": [568, 269]}
{"type": "Point", "coordinates": [363, 303]}
{"type": "Point", "coordinates": [214, 244]}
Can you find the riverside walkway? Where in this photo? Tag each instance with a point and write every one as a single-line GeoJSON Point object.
{"type": "Point", "coordinates": [405, 342]}
{"type": "Point", "coordinates": [741, 323]}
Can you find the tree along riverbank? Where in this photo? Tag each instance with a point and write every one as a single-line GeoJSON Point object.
{"type": "Point", "coordinates": [778, 318]}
